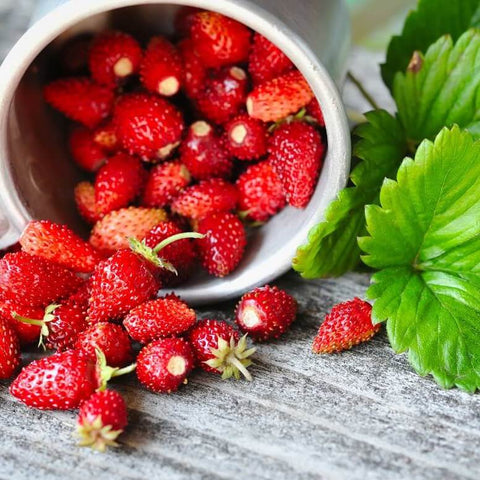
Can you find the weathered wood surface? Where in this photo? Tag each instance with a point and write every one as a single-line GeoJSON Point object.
{"type": "Point", "coordinates": [360, 415]}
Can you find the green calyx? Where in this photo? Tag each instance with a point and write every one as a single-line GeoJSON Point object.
{"type": "Point", "coordinates": [106, 373]}
{"type": "Point", "coordinates": [97, 436]}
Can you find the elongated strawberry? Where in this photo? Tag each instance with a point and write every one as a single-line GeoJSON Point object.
{"type": "Point", "coordinates": [84, 194]}
{"type": "Point", "coordinates": [105, 136]}
{"type": "Point", "coordinates": [35, 281]}
{"type": "Point", "coordinates": [219, 40]}
{"type": "Point", "coordinates": [194, 72]}
{"type": "Point", "coordinates": [80, 99]}
{"type": "Point", "coordinates": [223, 95]}
{"type": "Point", "coordinates": [315, 111]}
{"type": "Point", "coordinates": [162, 70]}
{"type": "Point", "coordinates": [101, 419]}
{"type": "Point", "coordinates": [276, 99]}
{"type": "Point", "coordinates": [59, 244]}
{"type": "Point", "coordinates": [224, 243]}
{"type": "Point", "coordinates": [85, 152]}
{"type": "Point", "coordinates": [27, 334]}
{"type": "Point", "coordinates": [296, 153]}
{"type": "Point", "coordinates": [246, 138]}
{"type": "Point", "coordinates": [218, 349]}
{"type": "Point", "coordinates": [260, 192]}
{"type": "Point", "coordinates": [9, 350]}
{"type": "Point", "coordinates": [147, 125]}
{"type": "Point", "coordinates": [204, 154]}
{"type": "Point", "coordinates": [113, 57]}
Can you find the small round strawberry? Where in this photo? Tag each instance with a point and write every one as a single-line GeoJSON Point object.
{"type": "Point", "coordinates": [113, 57]}
{"type": "Point", "coordinates": [161, 70]}
{"type": "Point", "coordinates": [265, 313]}
{"type": "Point", "coordinates": [219, 40]}
{"type": "Point", "coordinates": [80, 99]}
{"type": "Point", "coordinates": [59, 244]}
{"type": "Point", "coordinates": [209, 196]}
{"type": "Point", "coordinates": [218, 349]}
{"type": "Point", "coordinates": [246, 138]}
{"type": "Point", "coordinates": [105, 137]}
{"type": "Point", "coordinates": [109, 338]}
{"type": "Point", "coordinates": [159, 318]}
{"type": "Point", "coordinates": [9, 350]}
{"type": "Point", "coordinates": [162, 366]}
{"type": "Point", "coordinates": [347, 325]}
{"type": "Point", "coordinates": [223, 95]}
{"type": "Point", "coordinates": [85, 152]}
{"type": "Point", "coordinates": [101, 419]}
{"type": "Point", "coordinates": [194, 72]}
{"type": "Point", "coordinates": [260, 192]}
{"type": "Point", "coordinates": [148, 125]}
{"type": "Point", "coordinates": [315, 111]}
{"type": "Point", "coordinates": [84, 194]}
{"type": "Point", "coordinates": [224, 243]}
{"type": "Point", "coordinates": [204, 154]}
{"type": "Point", "coordinates": [26, 333]}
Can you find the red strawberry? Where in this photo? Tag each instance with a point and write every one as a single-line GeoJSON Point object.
{"type": "Point", "coordinates": [224, 243]}
{"type": "Point", "coordinates": [105, 136]}
{"type": "Point", "coordinates": [109, 338]}
{"type": "Point", "coordinates": [219, 40]}
{"type": "Point", "coordinates": [209, 196]}
{"type": "Point", "coordinates": [183, 20]}
{"type": "Point", "coordinates": [113, 57]}
{"type": "Point", "coordinates": [266, 60]}
{"type": "Point", "coordinates": [85, 152]}
{"type": "Point", "coordinates": [9, 350]}
{"type": "Point", "coordinates": [59, 244]}
{"type": "Point", "coordinates": [35, 281]}
{"type": "Point", "coordinates": [218, 349]}
{"type": "Point", "coordinates": [80, 99]}
{"type": "Point", "coordinates": [348, 324]}
{"type": "Point", "coordinates": [112, 232]}
{"type": "Point", "coordinates": [204, 154]}
{"type": "Point", "coordinates": [27, 334]}
{"type": "Point", "coordinates": [74, 54]}
{"type": "Point", "coordinates": [314, 110]}
{"type": "Point", "coordinates": [261, 192]}
{"type": "Point", "coordinates": [246, 137]}
{"type": "Point", "coordinates": [165, 182]}
{"type": "Point", "coordinates": [118, 182]}
{"type": "Point", "coordinates": [165, 364]}
{"type": "Point", "coordinates": [147, 125]}
{"type": "Point", "coordinates": [84, 194]}
{"type": "Point", "coordinates": [159, 318]}
{"type": "Point", "coordinates": [195, 73]}
{"type": "Point", "coordinates": [266, 313]}
{"type": "Point", "coordinates": [276, 99]}
{"type": "Point", "coordinates": [296, 153]}
{"type": "Point", "coordinates": [101, 419]}
{"type": "Point", "coordinates": [223, 95]}
{"type": "Point", "coordinates": [81, 296]}
{"type": "Point", "coordinates": [162, 70]}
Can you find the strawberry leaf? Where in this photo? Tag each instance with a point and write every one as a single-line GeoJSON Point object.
{"type": "Point", "coordinates": [332, 247]}
{"type": "Point", "coordinates": [425, 241]}
{"type": "Point", "coordinates": [431, 20]}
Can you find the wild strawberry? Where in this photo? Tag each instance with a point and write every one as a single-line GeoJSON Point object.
{"type": "Point", "coordinates": [260, 192]}
{"type": "Point", "coordinates": [315, 111]}
{"type": "Point", "coordinates": [276, 99]}
{"type": "Point", "coordinates": [147, 125]}
{"type": "Point", "coordinates": [118, 182]}
{"type": "Point", "coordinates": [266, 60]}
{"type": "Point", "coordinates": [209, 196]}
{"type": "Point", "coordinates": [162, 70]}
{"type": "Point", "coordinates": [194, 72]}
{"type": "Point", "coordinates": [85, 152]}
{"type": "Point", "coordinates": [35, 281]}
{"type": "Point", "coordinates": [163, 365]}
{"type": "Point", "coordinates": [27, 334]}
{"type": "Point", "coordinates": [159, 318]}
{"type": "Point", "coordinates": [105, 136]}
{"type": "Point", "coordinates": [224, 243]}
{"type": "Point", "coordinates": [81, 296]}
{"type": "Point", "coordinates": [296, 153]}
{"type": "Point", "coordinates": [113, 57]}
{"type": "Point", "coordinates": [73, 55]}
{"type": "Point", "coordinates": [348, 324]}
{"type": "Point", "coordinates": [165, 182]}
{"type": "Point", "coordinates": [109, 338]}
{"type": "Point", "coordinates": [219, 40]}
{"type": "Point", "coordinates": [112, 232]}
{"type": "Point", "coordinates": [223, 95]}
{"type": "Point", "coordinates": [265, 313]}
{"type": "Point", "coordinates": [84, 194]}
{"type": "Point", "coordinates": [218, 349]}
{"type": "Point", "coordinates": [246, 138]}
{"type": "Point", "coordinates": [80, 99]}
{"type": "Point", "coordinates": [204, 154]}
{"type": "Point", "coordinates": [101, 419]}
{"type": "Point", "coordinates": [59, 244]}
{"type": "Point", "coordinates": [183, 20]}
{"type": "Point", "coordinates": [9, 350]}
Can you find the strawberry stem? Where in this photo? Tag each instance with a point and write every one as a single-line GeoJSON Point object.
{"type": "Point", "coordinates": [174, 238]}
{"type": "Point", "coordinates": [43, 324]}
{"type": "Point", "coordinates": [106, 373]}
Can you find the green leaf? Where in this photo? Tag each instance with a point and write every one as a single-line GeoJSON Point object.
{"type": "Point", "coordinates": [425, 242]}
{"type": "Point", "coordinates": [431, 20]}
{"type": "Point", "coordinates": [332, 247]}
{"type": "Point", "coordinates": [441, 89]}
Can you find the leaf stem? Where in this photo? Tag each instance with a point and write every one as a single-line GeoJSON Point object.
{"type": "Point", "coordinates": [362, 90]}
